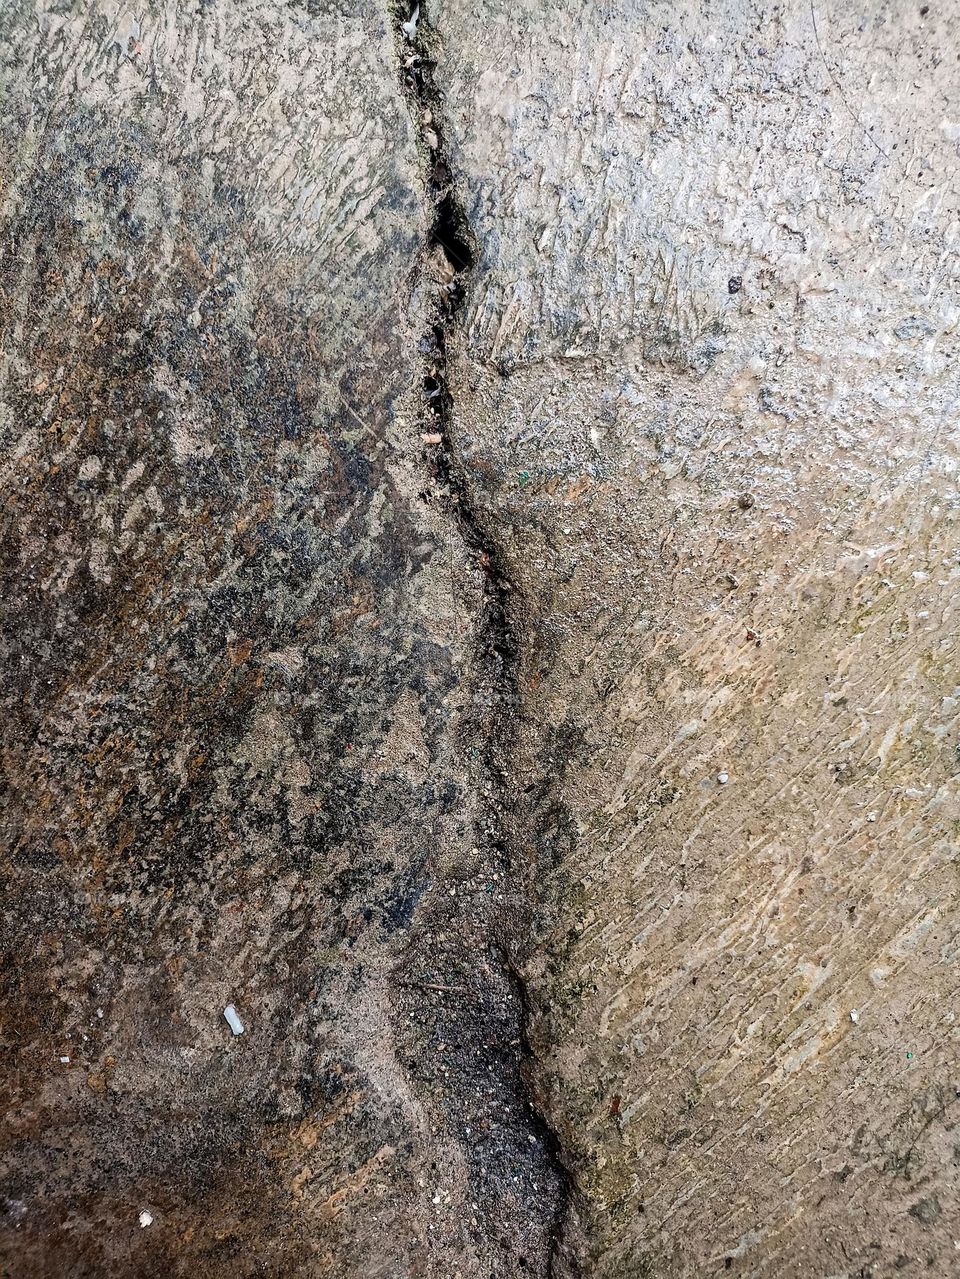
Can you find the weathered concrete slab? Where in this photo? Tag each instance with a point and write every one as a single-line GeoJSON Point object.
{"type": "Point", "coordinates": [479, 563]}
{"type": "Point", "coordinates": [708, 393]}
{"type": "Point", "coordinates": [242, 738]}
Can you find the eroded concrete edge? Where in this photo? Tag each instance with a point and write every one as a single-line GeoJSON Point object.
{"type": "Point", "coordinates": [504, 833]}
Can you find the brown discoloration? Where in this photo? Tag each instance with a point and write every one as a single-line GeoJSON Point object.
{"type": "Point", "coordinates": [228, 576]}
{"type": "Point", "coordinates": [535, 698]}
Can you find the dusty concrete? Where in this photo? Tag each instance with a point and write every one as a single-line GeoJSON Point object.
{"type": "Point", "coordinates": [708, 392]}
{"type": "Point", "coordinates": [247, 707]}
{"type": "Point", "coordinates": [479, 564]}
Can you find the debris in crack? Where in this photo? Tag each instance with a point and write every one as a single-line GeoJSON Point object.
{"type": "Point", "coordinates": [462, 995]}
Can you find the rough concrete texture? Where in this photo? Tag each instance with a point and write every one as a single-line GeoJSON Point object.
{"type": "Point", "coordinates": [245, 747]}
{"type": "Point", "coordinates": [480, 548]}
{"type": "Point", "coordinates": [708, 392]}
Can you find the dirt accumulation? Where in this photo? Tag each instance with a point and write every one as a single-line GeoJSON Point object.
{"type": "Point", "coordinates": [479, 569]}
{"type": "Point", "coordinates": [475, 938]}
{"type": "Point", "coordinates": [262, 683]}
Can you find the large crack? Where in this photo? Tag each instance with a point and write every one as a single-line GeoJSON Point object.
{"type": "Point", "coordinates": [494, 1015]}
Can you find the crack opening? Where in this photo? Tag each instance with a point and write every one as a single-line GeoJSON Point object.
{"type": "Point", "coordinates": [451, 232]}
{"type": "Point", "coordinates": [450, 256]}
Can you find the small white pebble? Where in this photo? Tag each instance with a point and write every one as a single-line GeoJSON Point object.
{"type": "Point", "coordinates": [145, 1219]}
{"type": "Point", "coordinates": [854, 1015]}
{"type": "Point", "coordinates": [99, 1012]}
{"type": "Point", "coordinates": [723, 778]}
{"type": "Point", "coordinates": [233, 1019]}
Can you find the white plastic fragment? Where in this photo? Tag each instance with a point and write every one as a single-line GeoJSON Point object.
{"type": "Point", "coordinates": [723, 778]}
{"type": "Point", "coordinates": [65, 1061]}
{"type": "Point", "coordinates": [145, 1219]}
{"type": "Point", "coordinates": [854, 1015]}
{"type": "Point", "coordinates": [233, 1019]}
{"type": "Point", "coordinates": [409, 28]}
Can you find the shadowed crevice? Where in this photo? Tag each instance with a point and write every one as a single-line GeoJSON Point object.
{"type": "Point", "coordinates": [448, 261]}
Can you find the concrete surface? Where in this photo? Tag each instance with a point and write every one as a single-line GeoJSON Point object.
{"type": "Point", "coordinates": [243, 736]}
{"type": "Point", "coordinates": [479, 565]}
{"type": "Point", "coordinates": [708, 391]}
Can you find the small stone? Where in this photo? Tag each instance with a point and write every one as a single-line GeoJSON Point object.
{"type": "Point", "coordinates": [854, 1015]}
{"type": "Point", "coordinates": [723, 778]}
{"type": "Point", "coordinates": [145, 1219]}
{"type": "Point", "coordinates": [233, 1019]}
{"type": "Point", "coordinates": [409, 28]}
{"type": "Point", "coordinates": [926, 1210]}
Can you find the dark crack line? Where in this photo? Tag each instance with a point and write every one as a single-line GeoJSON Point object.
{"type": "Point", "coordinates": [498, 648]}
